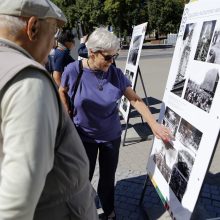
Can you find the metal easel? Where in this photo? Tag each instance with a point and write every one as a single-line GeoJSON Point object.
{"type": "Point", "coordinates": [129, 111]}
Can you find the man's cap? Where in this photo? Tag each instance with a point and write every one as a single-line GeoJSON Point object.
{"type": "Point", "coordinates": [27, 8]}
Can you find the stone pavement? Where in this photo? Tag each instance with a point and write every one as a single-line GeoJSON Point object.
{"type": "Point", "coordinates": [131, 172]}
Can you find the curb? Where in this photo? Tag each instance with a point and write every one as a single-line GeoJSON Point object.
{"type": "Point", "coordinates": [151, 46]}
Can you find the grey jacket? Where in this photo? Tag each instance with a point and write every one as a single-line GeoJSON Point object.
{"type": "Point", "coordinates": [67, 182]}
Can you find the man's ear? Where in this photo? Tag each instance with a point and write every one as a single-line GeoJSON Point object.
{"type": "Point", "coordinates": [33, 26]}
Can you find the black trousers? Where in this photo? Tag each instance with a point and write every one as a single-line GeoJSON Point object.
{"type": "Point", "coordinates": [108, 160]}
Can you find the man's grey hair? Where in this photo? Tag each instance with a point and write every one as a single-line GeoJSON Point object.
{"type": "Point", "coordinates": [101, 40]}
{"type": "Point", "coordinates": [12, 23]}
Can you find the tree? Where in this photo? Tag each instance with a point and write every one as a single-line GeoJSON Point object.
{"type": "Point", "coordinates": [123, 14]}
{"type": "Point", "coordinates": [165, 15]}
{"type": "Point", "coordinates": [68, 7]}
{"type": "Point", "coordinates": [89, 14]}
{"type": "Point", "coordinates": [171, 14]}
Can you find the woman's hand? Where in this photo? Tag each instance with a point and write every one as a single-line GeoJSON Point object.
{"type": "Point", "coordinates": [162, 132]}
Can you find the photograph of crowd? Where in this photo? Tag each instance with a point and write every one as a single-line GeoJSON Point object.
{"type": "Point", "coordinates": [201, 89]}
{"type": "Point", "coordinates": [185, 163]}
{"type": "Point", "coordinates": [133, 53]}
{"type": "Point", "coordinates": [178, 85]}
{"type": "Point", "coordinates": [189, 136]}
{"type": "Point", "coordinates": [205, 40]}
{"type": "Point", "coordinates": [171, 120]}
{"type": "Point", "coordinates": [164, 158]}
{"type": "Point", "coordinates": [214, 51]}
{"type": "Point", "coordinates": [178, 183]}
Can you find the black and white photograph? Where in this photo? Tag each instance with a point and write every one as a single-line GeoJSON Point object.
{"type": "Point", "coordinates": [214, 51]}
{"type": "Point", "coordinates": [129, 75]}
{"type": "Point", "coordinates": [189, 136]}
{"type": "Point", "coordinates": [178, 183]}
{"type": "Point", "coordinates": [205, 40]}
{"type": "Point", "coordinates": [133, 53]}
{"type": "Point", "coordinates": [201, 89]}
{"type": "Point", "coordinates": [186, 50]}
{"type": "Point", "coordinates": [171, 120]}
{"type": "Point", "coordinates": [124, 103]}
{"type": "Point", "coordinates": [164, 158]}
{"type": "Point", "coordinates": [185, 163]}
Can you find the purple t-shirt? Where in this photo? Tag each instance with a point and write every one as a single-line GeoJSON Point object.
{"type": "Point", "coordinates": [97, 118]}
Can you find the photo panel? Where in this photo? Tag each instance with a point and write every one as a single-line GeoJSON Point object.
{"type": "Point", "coordinates": [201, 88]}
{"type": "Point", "coordinates": [124, 103]}
{"type": "Point", "coordinates": [205, 40]}
{"type": "Point", "coordinates": [130, 75]}
{"type": "Point", "coordinates": [185, 163]}
{"type": "Point", "coordinates": [133, 53]}
{"type": "Point", "coordinates": [131, 68]}
{"type": "Point", "coordinates": [214, 51]}
{"type": "Point", "coordinates": [164, 158]}
{"type": "Point", "coordinates": [190, 110]}
{"type": "Point", "coordinates": [189, 136]}
{"type": "Point", "coordinates": [178, 183]}
{"type": "Point", "coordinates": [171, 120]}
{"type": "Point", "coordinates": [179, 82]}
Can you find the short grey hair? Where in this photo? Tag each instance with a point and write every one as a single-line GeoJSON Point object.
{"type": "Point", "coordinates": [101, 40]}
{"type": "Point", "coordinates": [12, 23]}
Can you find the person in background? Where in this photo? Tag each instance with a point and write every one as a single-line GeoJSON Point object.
{"type": "Point", "coordinates": [62, 55]}
{"type": "Point", "coordinates": [44, 169]}
{"type": "Point", "coordinates": [96, 109]}
{"type": "Point", "coordinates": [82, 50]}
{"type": "Point", "coordinates": [49, 64]}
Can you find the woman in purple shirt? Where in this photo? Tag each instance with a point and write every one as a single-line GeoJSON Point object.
{"type": "Point", "coordinates": [97, 119]}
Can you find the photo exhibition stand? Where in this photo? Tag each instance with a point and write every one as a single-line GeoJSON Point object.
{"type": "Point", "coordinates": [177, 168]}
{"type": "Point", "coordinates": [196, 213]}
{"type": "Point", "coordinates": [131, 71]}
{"type": "Point", "coordinates": [129, 110]}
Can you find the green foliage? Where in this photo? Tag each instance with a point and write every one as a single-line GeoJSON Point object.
{"type": "Point", "coordinates": [163, 15]}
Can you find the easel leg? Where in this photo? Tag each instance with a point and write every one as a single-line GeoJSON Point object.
{"type": "Point", "coordinates": [142, 82]}
{"type": "Point", "coordinates": [126, 128]}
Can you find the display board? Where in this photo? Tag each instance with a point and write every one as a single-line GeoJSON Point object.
{"type": "Point", "coordinates": [191, 110]}
{"type": "Point", "coordinates": [132, 64]}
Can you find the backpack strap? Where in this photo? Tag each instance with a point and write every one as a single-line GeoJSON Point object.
{"type": "Point", "coordinates": [78, 79]}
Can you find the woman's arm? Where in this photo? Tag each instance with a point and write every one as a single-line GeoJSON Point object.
{"type": "Point", "coordinates": [158, 130]}
{"type": "Point", "coordinates": [57, 77]}
{"type": "Point", "coordinates": [64, 98]}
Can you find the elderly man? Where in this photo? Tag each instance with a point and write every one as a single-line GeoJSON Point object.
{"type": "Point", "coordinates": [44, 171]}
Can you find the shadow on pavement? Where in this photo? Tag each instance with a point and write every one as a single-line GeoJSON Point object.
{"type": "Point", "coordinates": [127, 198]}
{"type": "Point", "coordinates": [142, 133]}
{"type": "Point", "coordinates": [152, 101]}
{"type": "Point", "coordinates": [208, 203]}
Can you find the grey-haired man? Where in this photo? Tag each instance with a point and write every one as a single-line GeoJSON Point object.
{"type": "Point", "coordinates": [44, 170]}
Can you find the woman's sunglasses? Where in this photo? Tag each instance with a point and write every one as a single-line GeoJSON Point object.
{"type": "Point", "coordinates": [108, 57]}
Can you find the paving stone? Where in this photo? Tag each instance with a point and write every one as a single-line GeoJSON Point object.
{"type": "Point", "coordinates": [206, 201]}
{"type": "Point", "coordinates": [216, 197]}
{"type": "Point", "coordinates": [206, 195]}
{"type": "Point", "coordinates": [216, 203]}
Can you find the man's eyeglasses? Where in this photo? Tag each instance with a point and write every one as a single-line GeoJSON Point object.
{"type": "Point", "coordinates": [109, 57]}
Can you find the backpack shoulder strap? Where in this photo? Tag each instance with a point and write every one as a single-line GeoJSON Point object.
{"type": "Point", "coordinates": [78, 79]}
